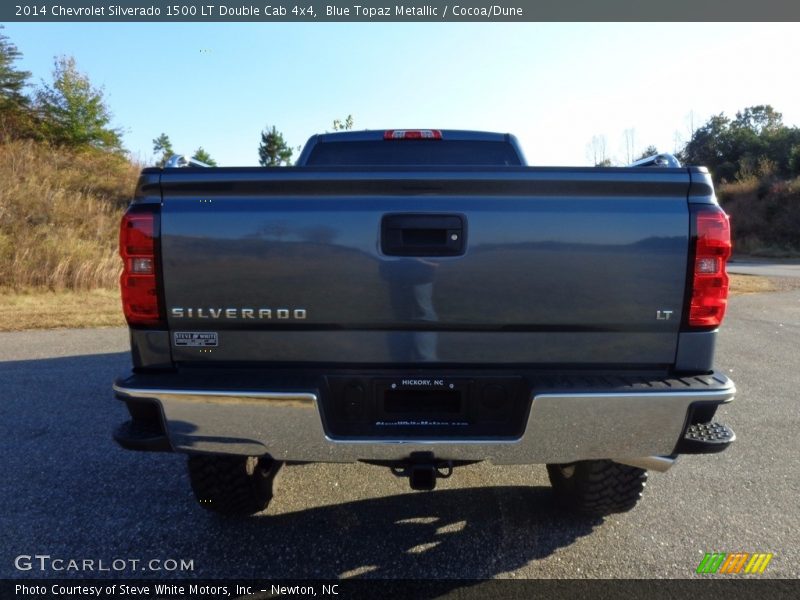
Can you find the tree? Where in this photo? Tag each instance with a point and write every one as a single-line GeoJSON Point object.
{"type": "Point", "coordinates": [163, 145]}
{"type": "Point", "coordinates": [204, 157]}
{"type": "Point", "coordinates": [345, 125]}
{"type": "Point", "coordinates": [596, 151]}
{"type": "Point", "coordinates": [794, 161]}
{"type": "Point", "coordinates": [273, 150]}
{"type": "Point", "coordinates": [758, 119]}
{"type": "Point", "coordinates": [74, 111]}
{"type": "Point", "coordinates": [744, 146]}
{"type": "Point", "coordinates": [17, 120]}
{"type": "Point", "coordinates": [630, 144]}
{"type": "Point", "coordinates": [677, 143]}
{"type": "Point", "coordinates": [12, 80]}
{"type": "Point", "coordinates": [649, 151]}
{"type": "Point", "coordinates": [710, 147]}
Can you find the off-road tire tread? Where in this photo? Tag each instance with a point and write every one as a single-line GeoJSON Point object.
{"type": "Point", "coordinates": [599, 487]}
{"type": "Point", "coordinates": [222, 484]}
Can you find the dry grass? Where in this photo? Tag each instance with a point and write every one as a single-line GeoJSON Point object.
{"type": "Point", "coordinates": [59, 214]}
{"type": "Point", "coordinates": [750, 284]}
{"type": "Point", "coordinates": [38, 309]}
{"type": "Point", "coordinates": [765, 215]}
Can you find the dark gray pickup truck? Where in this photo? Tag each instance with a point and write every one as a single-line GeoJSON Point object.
{"type": "Point", "coordinates": [421, 300]}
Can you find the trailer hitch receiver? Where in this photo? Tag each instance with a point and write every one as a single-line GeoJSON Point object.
{"type": "Point", "coordinates": [422, 470]}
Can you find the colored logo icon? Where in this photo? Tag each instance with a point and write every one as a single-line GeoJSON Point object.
{"type": "Point", "coordinates": [734, 562]}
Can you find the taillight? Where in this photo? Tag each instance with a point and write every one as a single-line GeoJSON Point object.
{"type": "Point", "coordinates": [709, 292]}
{"type": "Point", "coordinates": [412, 134]}
{"type": "Point", "coordinates": [139, 283]}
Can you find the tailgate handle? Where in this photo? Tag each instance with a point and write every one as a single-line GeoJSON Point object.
{"type": "Point", "coordinates": [423, 235]}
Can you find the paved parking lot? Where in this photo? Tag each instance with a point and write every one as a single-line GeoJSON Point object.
{"type": "Point", "coordinates": [783, 268]}
{"type": "Point", "coordinates": [69, 492]}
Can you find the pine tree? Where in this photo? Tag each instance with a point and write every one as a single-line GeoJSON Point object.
{"type": "Point", "coordinates": [163, 145]}
{"type": "Point", "coordinates": [273, 150]}
{"type": "Point", "coordinates": [17, 120]}
{"type": "Point", "coordinates": [12, 81]}
{"type": "Point", "coordinates": [204, 157]}
{"type": "Point", "coordinates": [646, 153]}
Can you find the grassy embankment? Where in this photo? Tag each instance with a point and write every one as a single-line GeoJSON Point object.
{"type": "Point", "coordinates": [765, 215]}
{"type": "Point", "coordinates": [59, 213]}
{"type": "Point", "coordinates": [59, 217]}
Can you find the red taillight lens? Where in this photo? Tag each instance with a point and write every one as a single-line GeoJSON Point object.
{"type": "Point", "coordinates": [709, 280]}
{"type": "Point", "coordinates": [412, 134]}
{"type": "Point", "coordinates": [138, 282]}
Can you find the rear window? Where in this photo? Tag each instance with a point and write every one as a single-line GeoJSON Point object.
{"type": "Point", "coordinates": [414, 152]}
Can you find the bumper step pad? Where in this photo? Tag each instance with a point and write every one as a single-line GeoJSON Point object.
{"type": "Point", "coordinates": [145, 437]}
{"type": "Point", "coordinates": [706, 438]}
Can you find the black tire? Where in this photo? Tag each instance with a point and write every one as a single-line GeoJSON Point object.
{"type": "Point", "coordinates": [597, 487]}
{"type": "Point", "coordinates": [232, 485]}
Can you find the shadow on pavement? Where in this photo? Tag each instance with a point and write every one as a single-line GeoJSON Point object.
{"type": "Point", "coordinates": [74, 494]}
{"type": "Point", "coordinates": [472, 532]}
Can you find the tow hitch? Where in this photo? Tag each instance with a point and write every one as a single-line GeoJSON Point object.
{"type": "Point", "coordinates": [422, 470]}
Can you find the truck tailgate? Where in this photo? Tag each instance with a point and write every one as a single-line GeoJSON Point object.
{"type": "Point", "coordinates": [578, 266]}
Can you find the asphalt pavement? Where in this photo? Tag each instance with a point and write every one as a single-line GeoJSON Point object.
{"type": "Point", "coordinates": [767, 268]}
{"type": "Point", "coordinates": [70, 493]}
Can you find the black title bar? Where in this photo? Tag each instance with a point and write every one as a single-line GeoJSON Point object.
{"type": "Point", "coordinates": [386, 12]}
{"type": "Point", "coordinates": [400, 589]}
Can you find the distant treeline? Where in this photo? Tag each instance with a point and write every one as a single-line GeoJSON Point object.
{"type": "Point", "coordinates": [754, 142]}
{"type": "Point", "coordinates": [755, 161]}
{"type": "Point", "coordinates": [69, 111]}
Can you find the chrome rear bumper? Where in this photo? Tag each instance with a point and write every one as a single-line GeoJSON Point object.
{"type": "Point", "coordinates": [636, 427]}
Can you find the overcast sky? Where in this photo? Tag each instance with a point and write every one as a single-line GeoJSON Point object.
{"type": "Point", "coordinates": [555, 86]}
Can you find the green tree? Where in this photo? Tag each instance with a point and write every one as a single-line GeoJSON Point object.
{"type": "Point", "coordinates": [710, 146]}
{"type": "Point", "coordinates": [794, 161]}
{"type": "Point", "coordinates": [649, 151]}
{"type": "Point", "coordinates": [780, 145]}
{"type": "Point", "coordinates": [162, 145]}
{"type": "Point", "coordinates": [12, 80]}
{"type": "Point", "coordinates": [758, 119]}
{"type": "Point", "coordinates": [204, 157]}
{"type": "Point", "coordinates": [736, 148]}
{"type": "Point", "coordinates": [606, 162]}
{"type": "Point", "coordinates": [345, 125]}
{"type": "Point", "coordinates": [74, 112]}
{"type": "Point", "coordinates": [273, 150]}
{"type": "Point", "coordinates": [17, 120]}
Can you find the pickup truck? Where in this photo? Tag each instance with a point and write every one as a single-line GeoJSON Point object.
{"type": "Point", "coordinates": [422, 300]}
